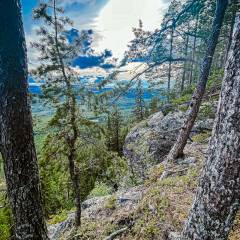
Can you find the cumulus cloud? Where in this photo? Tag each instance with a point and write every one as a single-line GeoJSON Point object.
{"type": "Point", "coordinates": [111, 20]}
{"type": "Point", "coordinates": [118, 17]}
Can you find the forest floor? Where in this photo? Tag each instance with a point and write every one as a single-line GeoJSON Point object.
{"type": "Point", "coordinates": [151, 211]}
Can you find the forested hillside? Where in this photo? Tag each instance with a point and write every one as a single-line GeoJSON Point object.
{"type": "Point", "coordinates": [139, 145]}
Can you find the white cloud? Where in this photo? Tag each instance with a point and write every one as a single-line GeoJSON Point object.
{"type": "Point", "coordinates": [112, 21]}
{"type": "Point", "coordinates": [118, 17]}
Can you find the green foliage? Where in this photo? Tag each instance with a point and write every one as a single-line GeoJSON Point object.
{"type": "Point", "coordinates": [155, 173]}
{"type": "Point", "coordinates": [165, 203]}
{"type": "Point", "coordinates": [100, 189]}
{"type": "Point", "coordinates": [201, 137]}
{"type": "Point", "coordinates": [181, 100]}
{"type": "Point", "coordinates": [96, 165]}
{"type": "Point", "coordinates": [113, 133]}
{"type": "Point", "coordinates": [152, 212]}
{"type": "Point", "coordinates": [40, 124]}
{"type": "Point", "coordinates": [59, 217]}
{"type": "Point", "coordinates": [86, 232]}
{"type": "Point", "coordinates": [140, 109]}
{"type": "Point", "coordinates": [5, 211]}
{"type": "Point", "coordinates": [74, 154]}
{"type": "Point", "coordinates": [5, 224]}
{"type": "Point", "coordinates": [5, 219]}
{"type": "Point", "coordinates": [215, 79]}
{"type": "Point", "coordinates": [154, 105]}
{"type": "Point", "coordinates": [184, 97]}
{"type": "Point", "coordinates": [56, 187]}
{"type": "Point", "coordinates": [1, 171]}
{"type": "Point", "coordinates": [111, 203]}
{"type": "Point", "coordinates": [206, 111]}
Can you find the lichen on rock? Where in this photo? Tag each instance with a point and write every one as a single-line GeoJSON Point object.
{"type": "Point", "coordinates": [149, 142]}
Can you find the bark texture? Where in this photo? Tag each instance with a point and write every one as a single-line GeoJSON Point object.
{"type": "Point", "coordinates": [218, 195]}
{"type": "Point", "coordinates": [16, 139]}
{"type": "Point", "coordinates": [181, 142]}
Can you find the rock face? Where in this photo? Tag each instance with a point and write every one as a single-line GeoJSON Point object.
{"type": "Point", "coordinates": [89, 208]}
{"type": "Point", "coordinates": [151, 140]}
{"type": "Point", "coordinates": [174, 236]}
{"type": "Point", "coordinates": [99, 208]}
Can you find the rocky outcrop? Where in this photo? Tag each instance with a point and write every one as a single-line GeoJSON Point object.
{"type": "Point", "coordinates": [151, 140]}
{"type": "Point", "coordinates": [101, 208]}
{"type": "Point", "coordinates": [156, 210]}
{"type": "Point", "coordinates": [174, 236]}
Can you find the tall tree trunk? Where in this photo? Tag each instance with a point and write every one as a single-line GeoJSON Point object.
{"type": "Point", "coordinates": [193, 52]}
{"type": "Point", "coordinates": [218, 195]}
{"type": "Point", "coordinates": [181, 142]}
{"type": "Point", "coordinates": [71, 140]}
{"type": "Point", "coordinates": [116, 131]}
{"type": "Point", "coordinates": [170, 64]}
{"type": "Point", "coordinates": [75, 173]}
{"type": "Point", "coordinates": [75, 178]}
{"type": "Point", "coordinates": [185, 63]}
{"type": "Point", "coordinates": [16, 142]}
{"type": "Point", "coordinates": [231, 30]}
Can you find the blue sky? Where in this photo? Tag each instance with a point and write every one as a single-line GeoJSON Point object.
{"type": "Point", "coordinates": [111, 20]}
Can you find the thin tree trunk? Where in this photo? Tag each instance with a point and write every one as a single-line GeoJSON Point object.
{"type": "Point", "coordinates": [74, 174]}
{"type": "Point", "coordinates": [170, 64]}
{"type": "Point", "coordinates": [181, 142]}
{"type": "Point", "coordinates": [16, 142]}
{"type": "Point", "coordinates": [185, 63]}
{"type": "Point", "coordinates": [231, 32]}
{"type": "Point", "coordinates": [139, 102]}
{"type": "Point", "coordinates": [78, 214]}
{"type": "Point", "coordinates": [71, 140]}
{"type": "Point", "coordinates": [193, 51]}
{"type": "Point", "coordinates": [218, 195]}
{"type": "Point", "coordinates": [117, 128]}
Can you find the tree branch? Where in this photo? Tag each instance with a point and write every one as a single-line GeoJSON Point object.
{"type": "Point", "coordinates": [117, 233]}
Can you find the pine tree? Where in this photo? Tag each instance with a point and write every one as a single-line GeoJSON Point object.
{"type": "Point", "coordinates": [17, 142]}
{"type": "Point", "coordinates": [193, 50]}
{"type": "Point", "coordinates": [60, 90]}
{"type": "Point", "coordinates": [185, 66]}
{"type": "Point", "coordinates": [153, 105]}
{"type": "Point", "coordinates": [217, 199]}
{"type": "Point", "coordinates": [113, 133]}
{"type": "Point", "coordinates": [181, 142]}
{"type": "Point", "coordinates": [168, 40]}
{"type": "Point", "coordinates": [139, 110]}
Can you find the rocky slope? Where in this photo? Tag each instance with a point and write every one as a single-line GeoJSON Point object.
{"type": "Point", "coordinates": [155, 210]}
{"type": "Point", "coordinates": [158, 207]}
{"type": "Point", "coordinates": [150, 141]}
